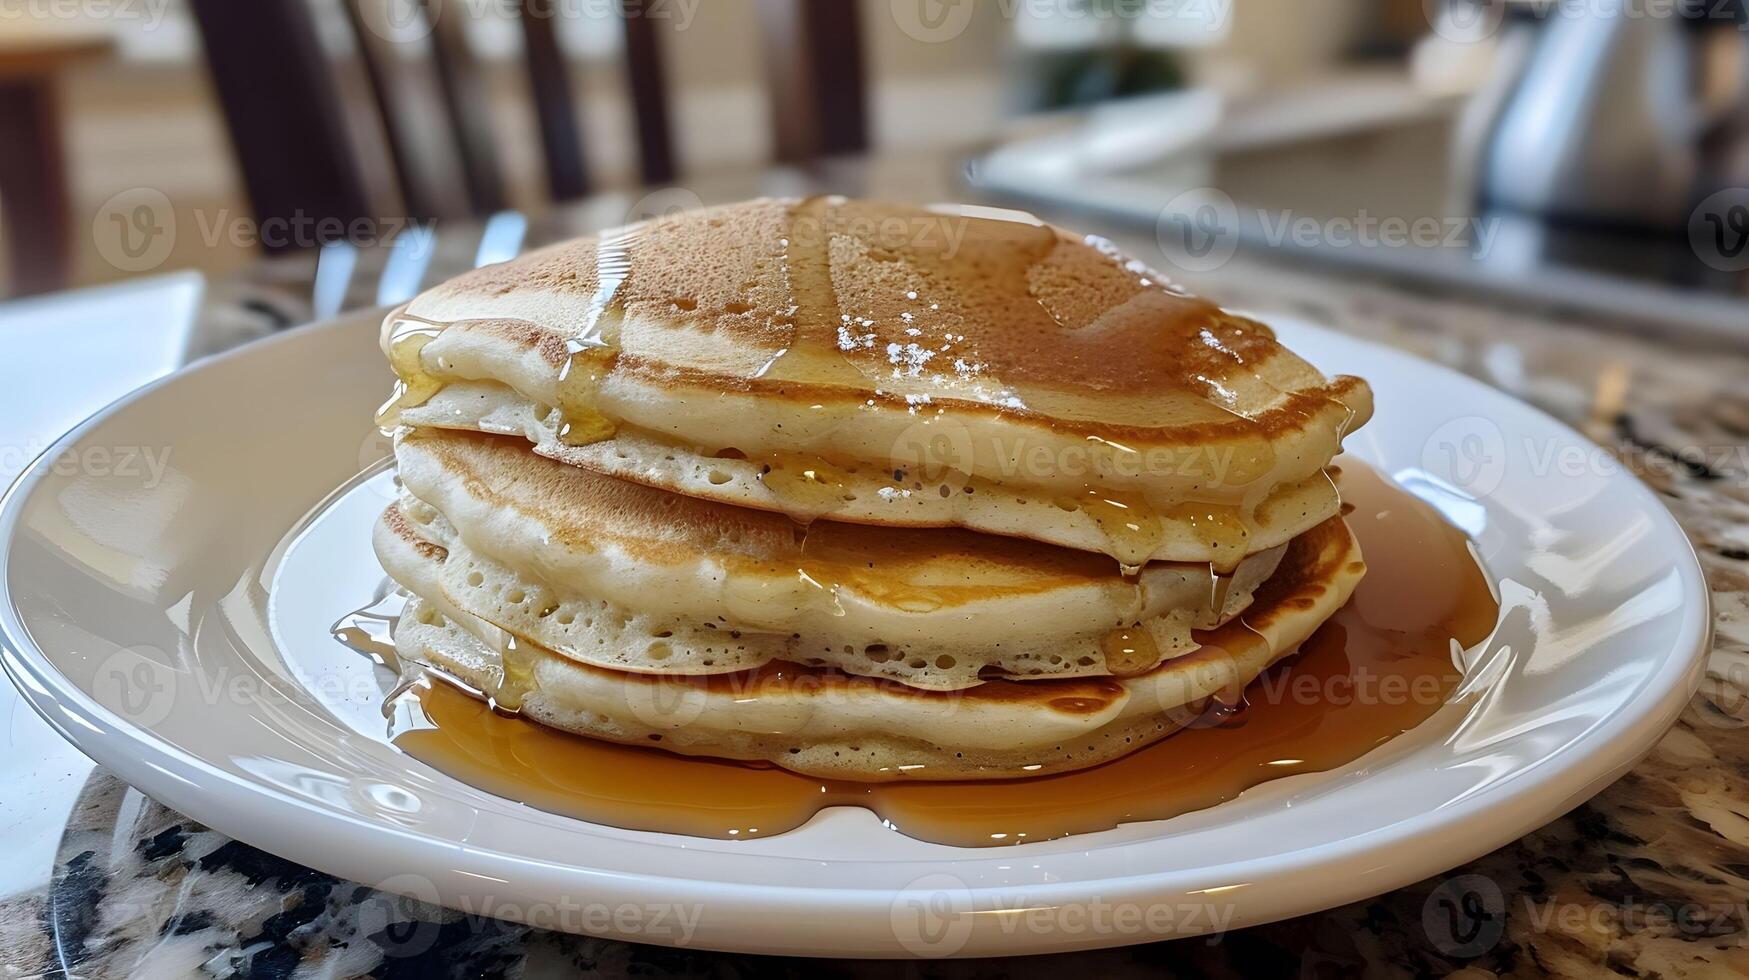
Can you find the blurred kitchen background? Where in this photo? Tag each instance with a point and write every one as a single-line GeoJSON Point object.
{"type": "Point", "coordinates": [1590, 155]}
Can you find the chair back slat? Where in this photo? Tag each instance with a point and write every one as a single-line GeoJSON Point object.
{"type": "Point", "coordinates": [410, 100]}
{"type": "Point", "coordinates": [304, 147]}
{"type": "Point", "coordinates": [468, 104]}
{"type": "Point", "coordinates": [815, 76]}
{"type": "Point", "coordinates": [648, 87]}
{"type": "Point", "coordinates": [555, 109]}
{"type": "Point", "coordinates": [283, 108]}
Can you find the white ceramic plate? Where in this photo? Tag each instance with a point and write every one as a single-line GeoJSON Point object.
{"type": "Point", "coordinates": [169, 613]}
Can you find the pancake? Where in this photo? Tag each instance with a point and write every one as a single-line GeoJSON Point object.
{"type": "Point", "coordinates": [627, 577]}
{"type": "Point", "coordinates": [826, 723]}
{"type": "Point", "coordinates": [907, 496]}
{"type": "Point", "coordinates": [857, 360]}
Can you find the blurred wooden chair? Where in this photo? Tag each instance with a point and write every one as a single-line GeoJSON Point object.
{"type": "Point", "coordinates": [815, 74]}
{"type": "Point", "coordinates": [35, 202]}
{"type": "Point", "coordinates": [303, 146]}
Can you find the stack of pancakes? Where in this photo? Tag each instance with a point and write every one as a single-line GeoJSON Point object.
{"type": "Point", "coordinates": [862, 491]}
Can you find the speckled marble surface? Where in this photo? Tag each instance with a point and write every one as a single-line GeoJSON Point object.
{"type": "Point", "coordinates": [1649, 879]}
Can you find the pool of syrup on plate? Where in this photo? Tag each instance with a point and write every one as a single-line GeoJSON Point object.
{"type": "Point", "coordinates": [1381, 666]}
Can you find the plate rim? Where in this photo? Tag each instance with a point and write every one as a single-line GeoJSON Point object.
{"type": "Point", "coordinates": [177, 776]}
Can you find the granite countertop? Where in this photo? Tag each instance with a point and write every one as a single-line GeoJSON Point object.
{"type": "Point", "coordinates": [1649, 879]}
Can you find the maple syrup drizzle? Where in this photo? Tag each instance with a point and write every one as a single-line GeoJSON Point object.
{"type": "Point", "coordinates": [414, 386]}
{"type": "Point", "coordinates": [825, 344]}
{"type": "Point", "coordinates": [1130, 650]}
{"type": "Point", "coordinates": [1131, 529]}
{"type": "Point", "coordinates": [1309, 713]}
{"type": "Point", "coordinates": [591, 351]}
{"type": "Point", "coordinates": [809, 486]}
{"type": "Point", "coordinates": [370, 630]}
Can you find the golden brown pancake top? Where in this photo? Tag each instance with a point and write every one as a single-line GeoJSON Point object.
{"type": "Point", "coordinates": [982, 309]}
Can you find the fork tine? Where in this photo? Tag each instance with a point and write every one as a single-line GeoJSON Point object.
{"type": "Point", "coordinates": [409, 258]}
{"type": "Point", "coordinates": [335, 264]}
{"type": "Point", "coordinates": [502, 238]}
